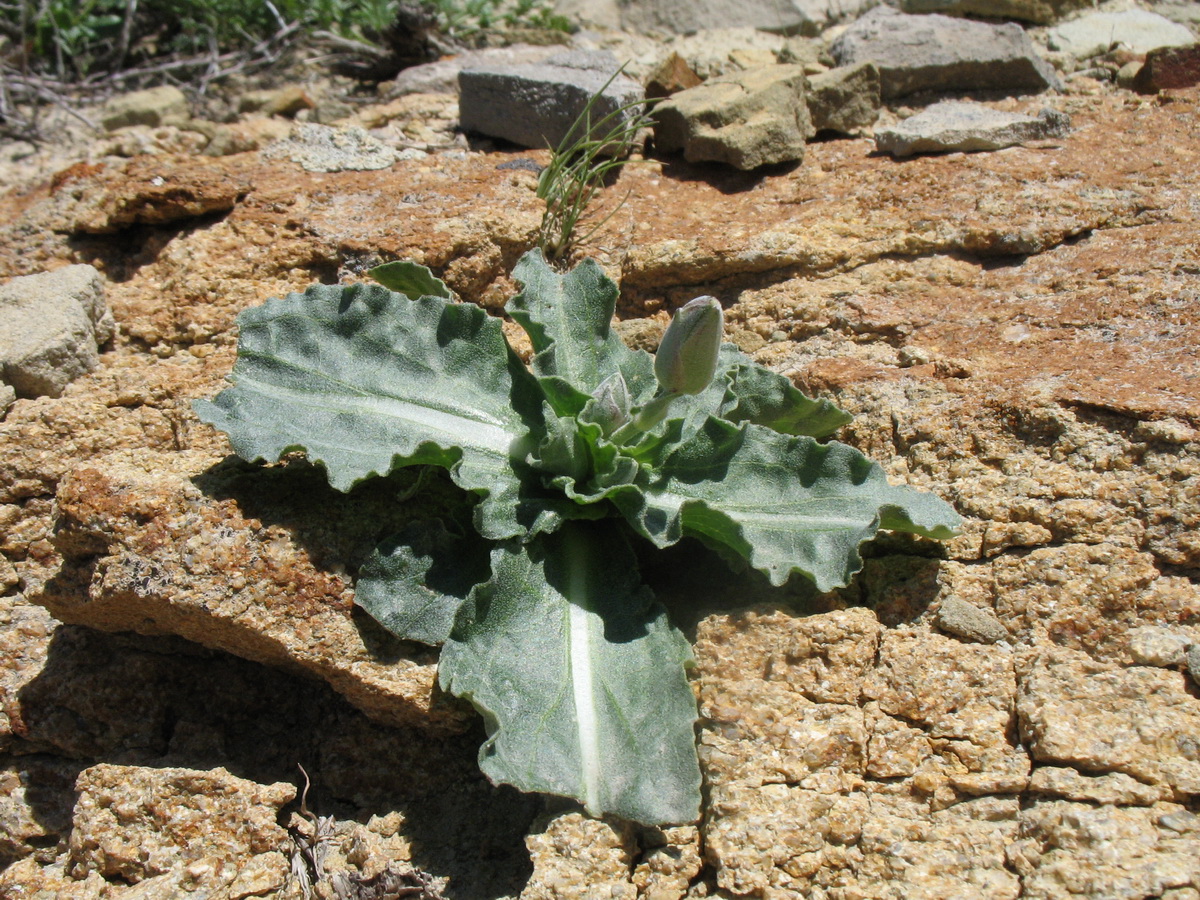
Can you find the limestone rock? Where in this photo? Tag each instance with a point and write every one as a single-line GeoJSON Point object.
{"type": "Point", "coordinates": [1157, 645]}
{"type": "Point", "coordinates": [7, 397]}
{"type": "Point", "coordinates": [577, 856]}
{"type": "Point", "coordinates": [672, 75]}
{"type": "Point", "coordinates": [536, 105]}
{"type": "Point", "coordinates": [53, 324]}
{"type": "Point", "coordinates": [746, 119]}
{"type": "Point", "coordinates": [711, 52]}
{"type": "Point", "coordinates": [1138, 721]}
{"type": "Point", "coordinates": [1193, 662]}
{"type": "Point", "coordinates": [1115, 787]}
{"type": "Point", "coordinates": [324, 148]}
{"type": "Point", "coordinates": [191, 827]}
{"type": "Point", "coordinates": [845, 99]}
{"type": "Point", "coordinates": [254, 614]}
{"type": "Point", "coordinates": [958, 617]}
{"type": "Point", "coordinates": [783, 16]}
{"type": "Point", "coordinates": [940, 53]}
{"type": "Point", "coordinates": [1040, 12]}
{"type": "Point", "coordinates": [1168, 69]}
{"type": "Point", "coordinates": [955, 125]}
{"type": "Point", "coordinates": [1079, 850]}
{"type": "Point", "coordinates": [164, 105]}
{"type": "Point", "coordinates": [1136, 30]}
{"type": "Point", "coordinates": [284, 101]}
{"type": "Point", "coordinates": [441, 77]}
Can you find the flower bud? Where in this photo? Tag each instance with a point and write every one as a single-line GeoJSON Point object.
{"type": "Point", "coordinates": [687, 355]}
{"type": "Point", "coordinates": [609, 406]}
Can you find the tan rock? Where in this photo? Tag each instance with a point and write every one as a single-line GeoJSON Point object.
{"type": "Point", "coordinates": [580, 858]}
{"type": "Point", "coordinates": [1103, 718]}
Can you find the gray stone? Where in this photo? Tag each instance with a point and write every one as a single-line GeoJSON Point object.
{"type": "Point", "coordinates": [536, 105]}
{"type": "Point", "coordinates": [781, 16]}
{"type": "Point", "coordinates": [940, 53]}
{"type": "Point", "coordinates": [746, 119]}
{"type": "Point", "coordinates": [322, 148]}
{"type": "Point", "coordinates": [53, 323]}
{"type": "Point", "coordinates": [164, 105]}
{"type": "Point", "coordinates": [721, 51]}
{"type": "Point", "coordinates": [1193, 662]}
{"type": "Point", "coordinates": [1159, 645]}
{"type": "Point", "coordinates": [7, 397]}
{"type": "Point", "coordinates": [845, 99]}
{"type": "Point", "coordinates": [441, 77]}
{"type": "Point", "coordinates": [1040, 12]}
{"type": "Point", "coordinates": [1134, 29]}
{"type": "Point", "coordinates": [962, 619]}
{"type": "Point", "coordinates": [960, 125]}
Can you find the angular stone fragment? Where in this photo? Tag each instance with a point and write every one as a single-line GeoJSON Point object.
{"type": "Point", "coordinates": [782, 16]}
{"type": "Point", "coordinates": [965, 620]}
{"type": "Point", "coordinates": [940, 53]}
{"type": "Point", "coordinates": [135, 824]}
{"type": "Point", "coordinates": [845, 99]}
{"type": "Point", "coordinates": [1040, 12]}
{"type": "Point", "coordinates": [1169, 69]}
{"type": "Point", "coordinates": [1141, 721]}
{"type": "Point", "coordinates": [1158, 645]}
{"type": "Point", "coordinates": [163, 105]}
{"type": "Point", "coordinates": [746, 119]}
{"type": "Point", "coordinates": [672, 75]}
{"type": "Point", "coordinates": [956, 125]}
{"type": "Point", "coordinates": [1115, 787]}
{"type": "Point", "coordinates": [1136, 30]}
{"type": "Point", "coordinates": [536, 105]}
{"type": "Point", "coordinates": [53, 323]}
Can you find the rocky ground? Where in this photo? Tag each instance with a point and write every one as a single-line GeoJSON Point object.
{"type": "Point", "coordinates": [1012, 715]}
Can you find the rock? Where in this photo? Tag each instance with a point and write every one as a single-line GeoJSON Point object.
{"type": "Point", "coordinates": [845, 100]}
{"type": "Point", "coordinates": [1169, 69]}
{"type": "Point", "coordinates": [1140, 721]}
{"type": "Point", "coordinates": [164, 105]}
{"type": "Point", "coordinates": [746, 119]}
{"type": "Point", "coordinates": [577, 856]}
{"type": "Point", "coordinates": [441, 77]}
{"type": "Point", "coordinates": [36, 795]}
{"type": "Point", "coordinates": [959, 125]}
{"type": "Point", "coordinates": [536, 105]}
{"type": "Point", "coordinates": [1193, 662]}
{"type": "Point", "coordinates": [1040, 12]}
{"type": "Point", "coordinates": [939, 53]}
{"type": "Point", "coordinates": [1136, 30]}
{"type": "Point", "coordinates": [323, 148]}
{"type": "Point", "coordinates": [1115, 787]}
{"type": "Point", "coordinates": [7, 398]}
{"type": "Point", "coordinates": [252, 133]}
{"type": "Point", "coordinates": [781, 16]}
{"type": "Point", "coordinates": [285, 101]}
{"type": "Point", "coordinates": [1157, 645]}
{"type": "Point", "coordinates": [962, 619]}
{"type": "Point", "coordinates": [143, 589]}
{"type": "Point", "coordinates": [671, 76]}
{"type": "Point", "coordinates": [198, 829]}
{"type": "Point", "coordinates": [711, 52]}
{"type": "Point", "coordinates": [1079, 850]}
{"type": "Point", "coordinates": [53, 324]}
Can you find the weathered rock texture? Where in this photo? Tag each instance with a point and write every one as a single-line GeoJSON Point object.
{"type": "Point", "coordinates": [1016, 331]}
{"type": "Point", "coordinates": [940, 53]}
{"type": "Point", "coordinates": [959, 125]}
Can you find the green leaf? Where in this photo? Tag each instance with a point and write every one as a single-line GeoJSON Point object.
{"type": "Point", "coordinates": [579, 677]}
{"type": "Point", "coordinates": [756, 394]}
{"type": "Point", "coordinates": [785, 504]}
{"type": "Point", "coordinates": [414, 583]}
{"type": "Point", "coordinates": [364, 380]}
{"type": "Point", "coordinates": [568, 319]}
{"type": "Point", "coordinates": [410, 279]}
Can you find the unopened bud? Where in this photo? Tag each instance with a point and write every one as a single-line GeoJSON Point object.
{"type": "Point", "coordinates": [609, 406]}
{"type": "Point", "coordinates": [687, 355]}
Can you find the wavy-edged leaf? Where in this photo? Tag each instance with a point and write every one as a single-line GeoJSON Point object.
{"type": "Point", "coordinates": [410, 279]}
{"type": "Point", "coordinates": [785, 504]}
{"type": "Point", "coordinates": [579, 677]}
{"type": "Point", "coordinates": [414, 583]}
{"type": "Point", "coordinates": [568, 319]}
{"type": "Point", "coordinates": [364, 380]}
{"type": "Point", "coordinates": [756, 394]}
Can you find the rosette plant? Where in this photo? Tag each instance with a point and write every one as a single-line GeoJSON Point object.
{"type": "Point", "coordinates": [578, 673]}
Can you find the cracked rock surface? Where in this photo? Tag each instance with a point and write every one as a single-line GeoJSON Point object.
{"type": "Point", "coordinates": [1011, 715]}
